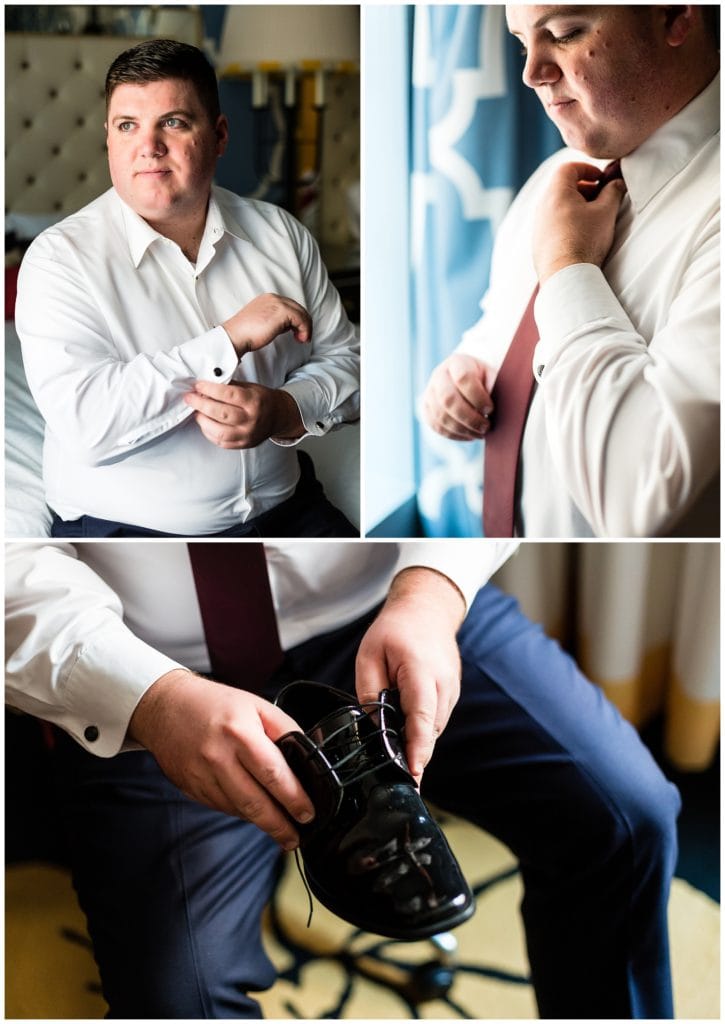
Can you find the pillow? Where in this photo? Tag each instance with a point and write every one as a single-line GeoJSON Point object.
{"type": "Point", "coordinates": [26, 514]}
{"type": "Point", "coordinates": [26, 226]}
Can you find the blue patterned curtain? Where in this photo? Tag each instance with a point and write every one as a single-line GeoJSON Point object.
{"type": "Point", "coordinates": [477, 133]}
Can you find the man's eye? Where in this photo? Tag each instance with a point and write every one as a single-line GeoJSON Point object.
{"type": "Point", "coordinates": [175, 122]}
{"type": "Point", "coordinates": [125, 126]}
{"type": "Point", "coordinates": [568, 36]}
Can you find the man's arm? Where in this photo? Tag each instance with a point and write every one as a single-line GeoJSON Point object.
{"type": "Point", "coordinates": [315, 397]}
{"type": "Point", "coordinates": [411, 645]}
{"type": "Point", "coordinates": [632, 422]}
{"type": "Point", "coordinates": [72, 661]}
{"type": "Point", "coordinates": [100, 395]}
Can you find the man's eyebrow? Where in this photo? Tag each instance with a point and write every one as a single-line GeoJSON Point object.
{"type": "Point", "coordinates": [180, 112]}
{"type": "Point", "coordinates": [188, 114]}
{"type": "Point", "coordinates": [560, 11]}
{"type": "Point", "coordinates": [564, 12]}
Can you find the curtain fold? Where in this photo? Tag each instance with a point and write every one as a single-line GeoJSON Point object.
{"type": "Point", "coordinates": [643, 621]}
{"type": "Point", "coordinates": [476, 135]}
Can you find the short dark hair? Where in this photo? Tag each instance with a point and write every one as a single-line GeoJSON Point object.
{"type": "Point", "coordinates": [711, 20]}
{"type": "Point", "coordinates": [157, 59]}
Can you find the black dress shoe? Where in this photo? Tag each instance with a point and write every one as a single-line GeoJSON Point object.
{"type": "Point", "coordinates": [373, 854]}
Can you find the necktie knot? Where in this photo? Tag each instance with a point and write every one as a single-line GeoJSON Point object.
{"type": "Point", "coordinates": [611, 172]}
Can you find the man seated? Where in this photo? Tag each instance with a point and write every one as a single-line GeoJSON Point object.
{"type": "Point", "coordinates": [177, 798]}
{"type": "Point", "coordinates": [179, 340]}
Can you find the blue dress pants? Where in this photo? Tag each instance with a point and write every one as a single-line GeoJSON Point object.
{"type": "Point", "coordinates": [174, 892]}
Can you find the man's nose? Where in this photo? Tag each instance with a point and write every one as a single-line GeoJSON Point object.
{"type": "Point", "coordinates": [540, 69]}
{"type": "Point", "coordinates": [152, 143]}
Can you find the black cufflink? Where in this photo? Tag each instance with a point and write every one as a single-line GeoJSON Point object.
{"type": "Point", "coordinates": [91, 733]}
{"type": "Point", "coordinates": [218, 371]}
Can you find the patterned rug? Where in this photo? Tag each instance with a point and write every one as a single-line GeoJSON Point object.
{"type": "Point", "coordinates": [331, 971]}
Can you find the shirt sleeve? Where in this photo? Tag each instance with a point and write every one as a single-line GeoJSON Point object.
{"type": "Point", "coordinates": [469, 566]}
{"type": "Point", "coordinates": [71, 660]}
{"type": "Point", "coordinates": [632, 422]}
{"type": "Point", "coordinates": [326, 386]}
{"type": "Point", "coordinates": [98, 403]}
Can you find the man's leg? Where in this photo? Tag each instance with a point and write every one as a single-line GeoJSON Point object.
{"type": "Point", "coordinates": [173, 892]}
{"type": "Point", "coordinates": [535, 755]}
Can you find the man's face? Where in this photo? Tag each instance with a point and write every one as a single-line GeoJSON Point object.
{"type": "Point", "coordinates": [597, 71]}
{"type": "Point", "coordinates": [163, 149]}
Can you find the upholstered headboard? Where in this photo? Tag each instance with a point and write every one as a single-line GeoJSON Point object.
{"type": "Point", "coordinates": [55, 143]}
{"type": "Point", "coordinates": [54, 112]}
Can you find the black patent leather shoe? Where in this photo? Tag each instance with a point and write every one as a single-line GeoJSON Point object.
{"type": "Point", "coordinates": [372, 855]}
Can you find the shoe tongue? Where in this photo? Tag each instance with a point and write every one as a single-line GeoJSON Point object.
{"type": "Point", "coordinates": [344, 725]}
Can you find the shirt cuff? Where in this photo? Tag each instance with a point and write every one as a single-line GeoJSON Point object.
{"type": "Point", "coordinates": [469, 566]}
{"type": "Point", "coordinates": [112, 673]}
{"type": "Point", "coordinates": [307, 395]}
{"type": "Point", "coordinates": [211, 356]}
{"type": "Point", "coordinates": [572, 302]}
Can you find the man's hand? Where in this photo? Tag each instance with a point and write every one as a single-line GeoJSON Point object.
{"type": "Point", "coordinates": [457, 401]}
{"type": "Point", "coordinates": [242, 415]}
{"type": "Point", "coordinates": [411, 646]}
{"type": "Point", "coordinates": [264, 319]}
{"type": "Point", "coordinates": [216, 743]}
{"type": "Point", "coordinates": [570, 229]}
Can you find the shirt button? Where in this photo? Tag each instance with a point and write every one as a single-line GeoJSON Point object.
{"type": "Point", "coordinates": [218, 371]}
{"type": "Point", "coordinates": [91, 733]}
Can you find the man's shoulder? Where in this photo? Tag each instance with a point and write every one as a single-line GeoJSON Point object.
{"type": "Point", "coordinates": [255, 216]}
{"type": "Point", "coordinates": [89, 226]}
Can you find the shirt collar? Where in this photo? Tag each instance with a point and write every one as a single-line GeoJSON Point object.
{"type": "Point", "coordinates": [668, 150]}
{"type": "Point", "coordinates": [140, 234]}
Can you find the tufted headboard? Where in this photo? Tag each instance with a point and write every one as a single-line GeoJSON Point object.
{"type": "Point", "coordinates": [55, 144]}
{"type": "Point", "coordinates": [55, 159]}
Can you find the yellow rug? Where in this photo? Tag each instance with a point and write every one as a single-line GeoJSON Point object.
{"type": "Point", "coordinates": [330, 971]}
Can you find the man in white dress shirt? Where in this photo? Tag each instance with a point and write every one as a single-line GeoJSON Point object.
{"type": "Point", "coordinates": [622, 435]}
{"type": "Point", "coordinates": [171, 785]}
{"type": "Point", "coordinates": [178, 340]}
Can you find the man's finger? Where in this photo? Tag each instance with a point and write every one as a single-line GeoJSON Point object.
{"type": "Point", "coordinates": [219, 412]}
{"type": "Point", "coordinates": [371, 676]}
{"type": "Point", "coordinates": [420, 707]}
{"type": "Point", "coordinates": [220, 435]}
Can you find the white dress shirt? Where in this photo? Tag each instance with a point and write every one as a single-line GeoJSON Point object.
{"type": "Point", "coordinates": [90, 627]}
{"type": "Point", "coordinates": [622, 437]}
{"type": "Point", "coordinates": [116, 326]}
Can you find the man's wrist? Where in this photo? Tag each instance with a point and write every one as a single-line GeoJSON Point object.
{"type": "Point", "coordinates": [422, 583]}
{"type": "Point", "coordinates": [150, 708]}
{"type": "Point", "coordinates": [239, 345]}
{"type": "Point", "coordinates": [289, 425]}
{"type": "Point", "coordinates": [548, 269]}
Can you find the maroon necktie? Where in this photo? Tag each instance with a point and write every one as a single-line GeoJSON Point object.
{"type": "Point", "coordinates": [236, 607]}
{"type": "Point", "coordinates": [511, 397]}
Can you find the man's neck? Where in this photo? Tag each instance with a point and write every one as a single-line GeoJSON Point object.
{"type": "Point", "coordinates": [187, 232]}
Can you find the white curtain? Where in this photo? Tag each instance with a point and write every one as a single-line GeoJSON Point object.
{"type": "Point", "coordinates": [643, 621]}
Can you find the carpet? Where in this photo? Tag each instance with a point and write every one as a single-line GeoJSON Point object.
{"type": "Point", "coordinates": [331, 971]}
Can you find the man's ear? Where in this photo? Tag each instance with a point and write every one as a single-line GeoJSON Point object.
{"type": "Point", "coordinates": [679, 22]}
{"type": "Point", "coordinates": [221, 130]}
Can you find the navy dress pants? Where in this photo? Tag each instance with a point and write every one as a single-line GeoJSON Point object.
{"type": "Point", "coordinates": [174, 892]}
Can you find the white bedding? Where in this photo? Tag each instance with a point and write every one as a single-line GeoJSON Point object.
{"type": "Point", "coordinates": [26, 514]}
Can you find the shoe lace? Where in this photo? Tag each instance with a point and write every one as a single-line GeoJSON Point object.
{"type": "Point", "coordinates": [347, 762]}
{"type": "Point", "coordinates": [346, 766]}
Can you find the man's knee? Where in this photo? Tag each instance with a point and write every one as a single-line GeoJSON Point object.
{"type": "Point", "coordinates": [651, 808]}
